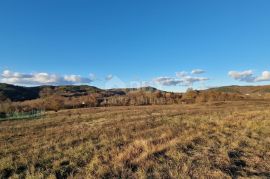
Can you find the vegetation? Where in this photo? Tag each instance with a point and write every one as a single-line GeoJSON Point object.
{"type": "Point", "coordinates": [216, 133]}
{"type": "Point", "coordinates": [251, 90]}
{"type": "Point", "coordinates": [230, 89]}
{"type": "Point", "coordinates": [209, 140]}
{"type": "Point", "coordinates": [19, 93]}
{"type": "Point", "coordinates": [52, 98]}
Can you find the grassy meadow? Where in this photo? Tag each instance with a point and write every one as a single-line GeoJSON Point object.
{"type": "Point", "coordinates": [211, 140]}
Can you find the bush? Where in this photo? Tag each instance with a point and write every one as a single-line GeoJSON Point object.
{"type": "Point", "coordinates": [2, 115]}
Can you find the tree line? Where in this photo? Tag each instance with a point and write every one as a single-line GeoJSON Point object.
{"type": "Point", "coordinates": [55, 102]}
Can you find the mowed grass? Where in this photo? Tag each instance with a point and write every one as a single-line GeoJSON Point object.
{"type": "Point", "coordinates": [217, 140]}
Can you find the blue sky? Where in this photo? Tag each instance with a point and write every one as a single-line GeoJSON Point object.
{"type": "Point", "coordinates": [84, 41]}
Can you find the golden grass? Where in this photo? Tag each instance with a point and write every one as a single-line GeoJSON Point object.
{"type": "Point", "coordinates": [217, 140]}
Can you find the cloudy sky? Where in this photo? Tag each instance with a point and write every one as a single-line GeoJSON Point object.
{"type": "Point", "coordinates": [171, 45]}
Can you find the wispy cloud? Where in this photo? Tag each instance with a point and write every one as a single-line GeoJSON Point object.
{"type": "Point", "coordinates": [197, 71]}
{"type": "Point", "coordinates": [10, 77]}
{"type": "Point", "coordinates": [181, 74]}
{"type": "Point", "coordinates": [181, 78]}
{"type": "Point", "coordinates": [168, 81]}
{"type": "Point", "coordinates": [249, 76]}
{"type": "Point", "coordinates": [109, 77]}
{"type": "Point", "coordinates": [190, 80]}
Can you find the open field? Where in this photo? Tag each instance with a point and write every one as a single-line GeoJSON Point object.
{"type": "Point", "coordinates": [215, 140]}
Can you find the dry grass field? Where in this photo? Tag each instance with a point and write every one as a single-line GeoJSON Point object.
{"type": "Point", "coordinates": [217, 140]}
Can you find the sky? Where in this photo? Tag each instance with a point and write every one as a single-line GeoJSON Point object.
{"type": "Point", "coordinates": [172, 45]}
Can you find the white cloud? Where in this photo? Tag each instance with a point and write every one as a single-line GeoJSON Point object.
{"type": "Point", "coordinates": [9, 74]}
{"type": "Point", "coordinates": [197, 71]}
{"type": "Point", "coordinates": [181, 74]}
{"type": "Point", "coordinates": [167, 81]}
{"type": "Point", "coordinates": [248, 76]}
{"type": "Point", "coordinates": [264, 77]}
{"type": "Point", "coordinates": [182, 78]}
{"type": "Point", "coordinates": [77, 79]}
{"type": "Point", "coordinates": [245, 76]}
{"type": "Point", "coordinates": [109, 77]}
{"type": "Point", "coordinates": [190, 80]}
{"type": "Point", "coordinates": [41, 79]}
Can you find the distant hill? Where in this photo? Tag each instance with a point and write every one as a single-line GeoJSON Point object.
{"type": "Point", "coordinates": [20, 93]}
{"type": "Point", "coordinates": [244, 90]}
{"type": "Point", "coordinates": [70, 97]}
{"type": "Point", "coordinates": [123, 91]}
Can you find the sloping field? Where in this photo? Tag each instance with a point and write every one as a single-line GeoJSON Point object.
{"type": "Point", "coordinates": [218, 140]}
